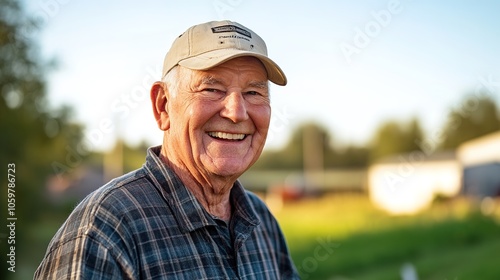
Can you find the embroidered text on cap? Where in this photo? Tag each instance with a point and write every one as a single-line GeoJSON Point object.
{"type": "Point", "coordinates": [231, 28]}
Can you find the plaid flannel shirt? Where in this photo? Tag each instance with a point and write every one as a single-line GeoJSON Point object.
{"type": "Point", "coordinates": [147, 225]}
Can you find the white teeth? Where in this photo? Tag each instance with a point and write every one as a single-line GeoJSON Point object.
{"type": "Point", "coordinates": [227, 136]}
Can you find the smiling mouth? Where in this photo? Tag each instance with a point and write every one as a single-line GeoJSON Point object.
{"type": "Point", "coordinates": [227, 136]}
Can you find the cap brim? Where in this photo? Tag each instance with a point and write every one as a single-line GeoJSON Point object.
{"type": "Point", "coordinates": [211, 59]}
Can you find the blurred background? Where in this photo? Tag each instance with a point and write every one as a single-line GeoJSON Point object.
{"type": "Point", "coordinates": [383, 155]}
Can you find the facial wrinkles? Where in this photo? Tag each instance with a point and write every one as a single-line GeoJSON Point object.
{"type": "Point", "coordinates": [177, 105]}
{"type": "Point", "coordinates": [188, 143]}
{"type": "Point", "coordinates": [260, 85]}
{"type": "Point", "coordinates": [190, 93]}
{"type": "Point", "coordinates": [208, 80]}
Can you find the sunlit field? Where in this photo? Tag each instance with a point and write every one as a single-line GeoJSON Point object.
{"type": "Point", "coordinates": [344, 237]}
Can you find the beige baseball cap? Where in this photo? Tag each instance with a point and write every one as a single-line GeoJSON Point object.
{"type": "Point", "coordinates": [209, 44]}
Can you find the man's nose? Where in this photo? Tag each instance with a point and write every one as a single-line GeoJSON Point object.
{"type": "Point", "coordinates": [235, 107]}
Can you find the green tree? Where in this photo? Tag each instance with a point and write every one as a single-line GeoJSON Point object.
{"type": "Point", "coordinates": [311, 147]}
{"type": "Point", "coordinates": [34, 135]}
{"type": "Point", "coordinates": [475, 116]}
{"type": "Point", "coordinates": [309, 144]}
{"type": "Point", "coordinates": [351, 156]}
{"type": "Point", "coordinates": [394, 137]}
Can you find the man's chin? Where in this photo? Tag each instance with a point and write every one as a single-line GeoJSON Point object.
{"type": "Point", "coordinates": [229, 168]}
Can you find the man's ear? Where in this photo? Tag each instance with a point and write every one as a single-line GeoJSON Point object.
{"type": "Point", "coordinates": [159, 101]}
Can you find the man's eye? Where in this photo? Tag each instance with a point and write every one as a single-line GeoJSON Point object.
{"type": "Point", "coordinates": [252, 92]}
{"type": "Point", "coordinates": [212, 90]}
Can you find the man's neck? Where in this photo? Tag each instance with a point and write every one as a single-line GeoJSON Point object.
{"type": "Point", "coordinates": [212, 193]}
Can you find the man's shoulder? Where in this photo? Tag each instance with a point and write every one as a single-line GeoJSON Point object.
{"type": "Point", "coordinates": [115, 198]}
{"type": "Point", "coordinates": [259, 206]}
{"type": "Point", "coordinates": [118, 189]}
{"type": "Point", "coordinates": [110, 205]}
{"type": "Point", "coordinates": [255, 200]}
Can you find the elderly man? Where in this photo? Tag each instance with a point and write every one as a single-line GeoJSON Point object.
{"type": "Point", "coordinates": [184, 215]}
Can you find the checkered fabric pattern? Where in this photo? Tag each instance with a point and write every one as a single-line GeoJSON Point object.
{"type": "Point", "coordinates": [147, 225]}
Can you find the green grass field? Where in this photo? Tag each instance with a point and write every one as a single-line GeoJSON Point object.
{"type": "Point", "coordinates": [345, 237]}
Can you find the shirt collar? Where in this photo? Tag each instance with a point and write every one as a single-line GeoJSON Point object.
{"type": "Point", "coordinates": [188, 212]}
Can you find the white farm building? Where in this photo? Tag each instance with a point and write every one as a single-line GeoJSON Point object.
{"type": "Point", "coordinates": [480, 159]}
{"type": "Point", "coordinates": [408, 183]}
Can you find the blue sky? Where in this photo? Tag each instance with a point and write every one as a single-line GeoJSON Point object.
{"type": "Point", "coordinates": [350, 64]}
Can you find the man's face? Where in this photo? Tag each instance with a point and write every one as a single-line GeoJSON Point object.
{"type": "Point", "coordinates": [219, 117]}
